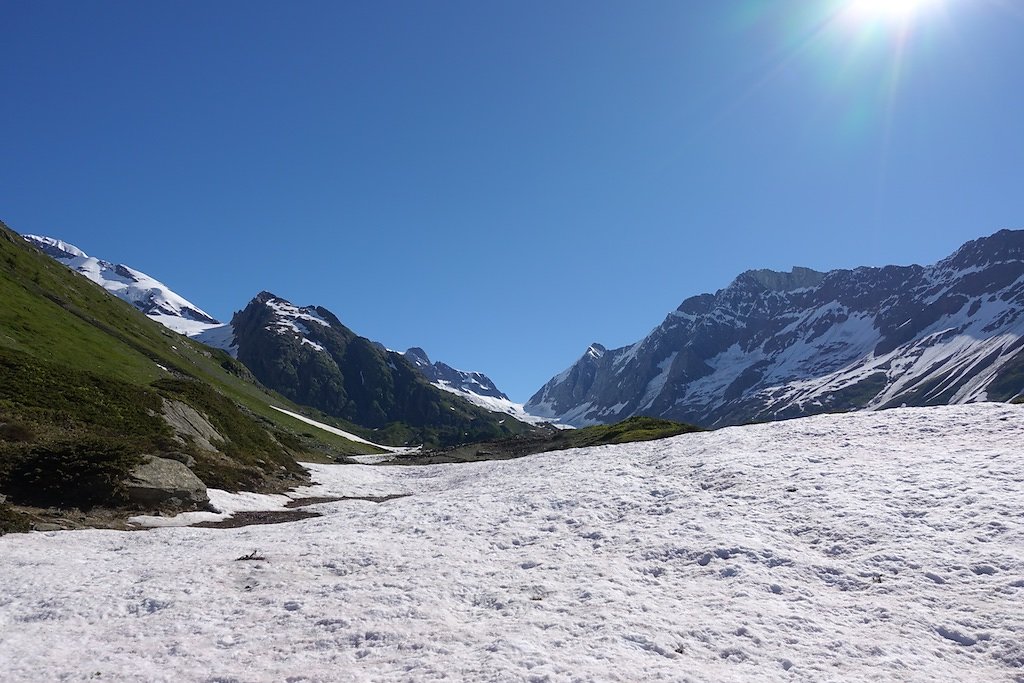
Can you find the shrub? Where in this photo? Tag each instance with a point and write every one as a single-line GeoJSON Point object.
{"type": "Point", "coordinates": [81, 473]}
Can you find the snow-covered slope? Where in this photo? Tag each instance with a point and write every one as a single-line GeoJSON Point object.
{"type": "Point", "coordinates": [869, 546]}
{"type": "Point", "coordinates": [776, 345]}
{"type": "Point", "coordinates": [146, 293]}
{"type": "Point", "coordinates": [475, 387]}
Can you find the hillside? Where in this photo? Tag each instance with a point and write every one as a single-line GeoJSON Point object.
{"type": "Point", "coordinates": [87, 383]}
{"type": "Point", "coordinates": [871, 546]}
{"type": "Point", "coordinates": [777, 345]}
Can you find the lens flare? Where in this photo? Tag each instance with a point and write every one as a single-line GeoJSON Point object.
{"type": "Point", "coordinates": [887, 10]}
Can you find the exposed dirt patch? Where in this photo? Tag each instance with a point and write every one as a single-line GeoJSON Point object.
{"type": "Point", "coordinates": [303, 502]}
{"type": "Point", "coordinates": [293, 514]}
{"type": "Point", "coordinates": [241, 519]}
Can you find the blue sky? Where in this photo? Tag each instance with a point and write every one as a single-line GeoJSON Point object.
{"type": "Point", "coordinates": [503, 183]}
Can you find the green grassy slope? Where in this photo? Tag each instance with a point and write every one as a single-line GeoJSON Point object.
{"type": "Point", "coordinates": [78, 365]}
{"type": "Point", "coordinates": [629, 430]}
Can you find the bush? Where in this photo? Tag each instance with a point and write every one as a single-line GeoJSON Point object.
{"type": "Point", "coordinates": [81, 473]}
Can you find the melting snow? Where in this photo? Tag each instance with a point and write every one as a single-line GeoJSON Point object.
{"type": "Point", "coordinates": [869, 546]}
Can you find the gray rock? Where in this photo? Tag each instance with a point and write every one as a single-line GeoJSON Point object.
{"type": "Point", "coordinates": [159, 481]}
{"type": "Point", "coordinates": [3, 499]}
{"type": "Point", "coordinates": [43, 526]}
{"type": "Point", "coordinates": [184, 458]}
{"type": "Point", "coordinates": [187, 422]}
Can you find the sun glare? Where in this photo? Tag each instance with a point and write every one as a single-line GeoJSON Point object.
{"type": "Point", "coordinates": [888, 10]}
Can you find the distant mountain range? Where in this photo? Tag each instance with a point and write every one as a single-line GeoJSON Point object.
{"type": "Point", "coordinates": [771, 345]}
{"type": "Point", "coordinates": [310, 357]}
{"type": "Point", "coordinates": [475, 387]}
{"type": "Point", "coordinates": [775, 345]}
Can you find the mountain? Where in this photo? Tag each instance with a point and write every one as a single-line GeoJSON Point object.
{"type": "Point", "coordinates": [146, 293]}
{"type": "Point", "coordinates": [90, 387]}
{"type": "Point", "coordinates": [475, 387]}
{"type": "Point", "coordinates": [457, 381]}
{"type": "Point", "coordinates": [308, 355]}
{"type": "Point", "coordinates": [776, 345]}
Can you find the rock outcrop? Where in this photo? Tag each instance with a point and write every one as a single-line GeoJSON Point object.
{"type": "Point", "coordinates": [160, 482]}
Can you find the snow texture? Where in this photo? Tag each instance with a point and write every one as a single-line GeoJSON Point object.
{"type": "Point", "coordinates": [870, 546]}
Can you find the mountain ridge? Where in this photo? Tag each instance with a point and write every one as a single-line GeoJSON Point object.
{"type": "Point", "coordinates": [774, 344]}
{"type": "Point", "coordinates": [312, 358]}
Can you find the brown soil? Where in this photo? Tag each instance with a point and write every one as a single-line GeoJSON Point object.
{"type": "Point", "coordinates": [241, 519]}
{"type": "Point", "coordinates": [303, 502]}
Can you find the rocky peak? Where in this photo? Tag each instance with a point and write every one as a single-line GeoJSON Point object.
{"type": "Point", "coordinates": [417, 356]}
{"type": "Point", "coordinates": [450, 379]}
{"type": "Point", "coordinates": [1003, 246]}
{"type": "Point", "coordinates": [265, 297]}
{"type": "Point", "coordinates": [773, 280]}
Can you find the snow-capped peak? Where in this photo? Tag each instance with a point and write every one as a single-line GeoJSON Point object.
{"type": "Point", "coordinates": [475, 387]}
{"type": "Point", "coordinates": [149, 295]}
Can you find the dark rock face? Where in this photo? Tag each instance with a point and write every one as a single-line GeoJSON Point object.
{"type": "Point", "coordinates": [777, 345]}
{"type": "Point", "coordinates": [310, 357]}
{"type": "Point", "coordinates": [458, 380]}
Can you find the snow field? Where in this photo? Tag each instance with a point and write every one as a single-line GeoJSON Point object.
{"type": "Point", "coordinates": [869, 546]}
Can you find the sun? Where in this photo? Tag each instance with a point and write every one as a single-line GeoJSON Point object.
{"type": "Point", "coordinates": [888, 10]}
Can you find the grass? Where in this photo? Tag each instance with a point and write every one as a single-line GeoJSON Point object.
{"type": "Point", "coordinates": [42, 401]}
{"type": "Point", "coordinates": [638, 428]}
{"type": "Point", "coordinates": [250, 450]}
{"type": "Point", "coordinates": [49, 312]}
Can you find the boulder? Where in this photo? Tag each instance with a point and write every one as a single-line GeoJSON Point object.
{"type": "Point", "coordinates": [160, 481]}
